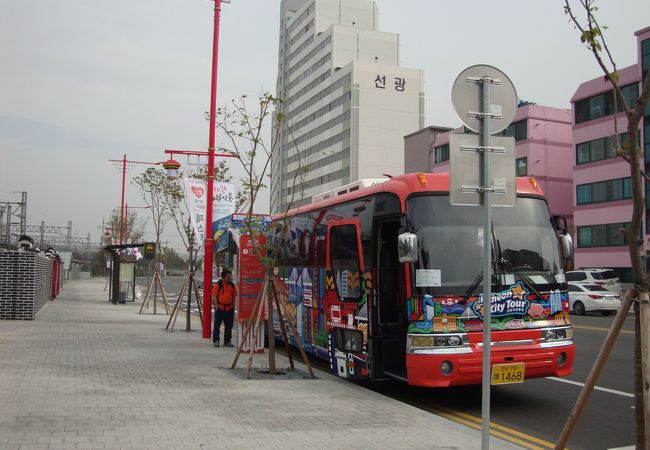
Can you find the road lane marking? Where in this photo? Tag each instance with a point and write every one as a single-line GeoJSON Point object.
{"type": "Point", "coordinates": [582, 327]}
{"type": "Point", "coordinates": [496, 426]}
{"type": "Point", "coordinates": [597, 388]}
{"type": "Point", "coordinates": [507, 434]}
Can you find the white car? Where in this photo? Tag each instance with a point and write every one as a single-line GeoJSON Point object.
{"type": "Point", "coordinates": [588, 298]}
{"type": "Point", "coordinates": [606, 278]}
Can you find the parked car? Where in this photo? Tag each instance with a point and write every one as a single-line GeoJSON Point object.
{"type": "Point", "coordinates": [606, 278]}
{"type": "Point", "coordinates": [588, 297]}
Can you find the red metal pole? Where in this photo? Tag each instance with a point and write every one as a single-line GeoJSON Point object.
{"type": "Point", "coordinates": [207, 261]}
{"type": "Point", "coordinates": [122, 207]}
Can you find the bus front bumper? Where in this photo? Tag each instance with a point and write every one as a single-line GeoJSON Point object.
{"type": "Point", "coordinates": [467, 368]}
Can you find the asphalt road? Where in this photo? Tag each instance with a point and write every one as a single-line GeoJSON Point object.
{"type": "Point", "coordinates": [534, 413]}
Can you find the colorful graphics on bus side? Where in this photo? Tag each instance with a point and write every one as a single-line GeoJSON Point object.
{"type": "Point", "coordinates": [329, 327]}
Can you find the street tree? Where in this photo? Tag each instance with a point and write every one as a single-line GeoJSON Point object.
{"type": "Point", "coordinates": [133, 228]}
{"type": "Point", "coordinates": [161, 195]}
{"type": "Point", "coordinates": [592, 36]}
{"type": "Point", "coordinates": [246, 128]}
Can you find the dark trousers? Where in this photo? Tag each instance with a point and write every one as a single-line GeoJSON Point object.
{"type": "Point", "coordinates": [227, 318]}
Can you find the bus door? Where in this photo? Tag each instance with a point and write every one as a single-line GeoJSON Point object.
{"type": "Point", "coordinates": [346, 310]}
{"type": "Point", "coordinates": [389, 340]}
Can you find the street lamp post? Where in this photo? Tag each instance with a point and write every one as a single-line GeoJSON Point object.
{"type": "Point", "coordinates": [207, 261]}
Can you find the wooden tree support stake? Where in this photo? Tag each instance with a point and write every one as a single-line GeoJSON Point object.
{"type": "Point", "coordinates": [155, 282]}
{"type": "Point", "coordinates": [190, 281]}
{"type": "Point", "coordinates": [269, 295]}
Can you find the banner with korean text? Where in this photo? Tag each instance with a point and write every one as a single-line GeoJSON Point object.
{"type": "Point", "coordinates": [223, 206]}
{"type": "Point", "coordinates": [195, 193]}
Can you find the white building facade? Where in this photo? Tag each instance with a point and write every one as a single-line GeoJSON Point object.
{"type": "Point", "coordinates": [346, 102]}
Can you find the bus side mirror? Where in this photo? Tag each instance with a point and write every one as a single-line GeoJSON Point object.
{"type": "Point", "coordinates": [566, 246]}
{"type": "Point", "coordinates": [559, 223]}
{"type": "Point", "coordinates": [407, 248]}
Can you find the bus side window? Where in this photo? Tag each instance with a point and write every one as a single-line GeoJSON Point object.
{"type": "Point", "coordinates": [345, 262]}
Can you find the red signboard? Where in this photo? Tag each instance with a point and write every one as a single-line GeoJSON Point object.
{"type": "Point", "coordinates": [251, 276]}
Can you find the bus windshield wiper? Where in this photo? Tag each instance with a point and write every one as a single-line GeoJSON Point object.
{"type": "Point", "coordinates": [495, 265]}
{"type": "Point", "coordinates": [515, 270]}
{"type": "Point", "coordinates": [497, 260]}
{"type": "Point", "coordinates": [472, 288]}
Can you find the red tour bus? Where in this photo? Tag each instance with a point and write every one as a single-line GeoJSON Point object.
{"type": "Point", "coordinates": [421, 322]}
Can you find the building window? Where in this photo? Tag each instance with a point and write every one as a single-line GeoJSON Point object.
{"type": "Point", "coordinates": [593, 107]}
{"type": "Point", "coordinates": [441, 153]}
{"type": "Point", "coordinates": [522, 167]}
{"type": "Point", "coordinates": [518, 130]}
{"type": "Point", "coordinates": [645, 56]}
{"type": "Point", "coordinates": [602, 105]}
{"type": "Point", "coordinates": [604, 191]}
{"type": "Point", "coordinates": [599, 149]}
{"type": "Point", "coordinates": [604, 235]}
{"type": "Point", "coordinates": [630, 94]}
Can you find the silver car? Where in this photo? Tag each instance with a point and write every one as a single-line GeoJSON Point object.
{"type": "Point", "coordinates": [588, 298]}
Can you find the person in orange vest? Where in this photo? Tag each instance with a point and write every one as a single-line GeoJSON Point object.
{"type": "Point", "coordinates": [224, 295]}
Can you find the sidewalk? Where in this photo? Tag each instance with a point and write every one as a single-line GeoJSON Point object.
{"type": "Point", "coordinates": [90, 374]}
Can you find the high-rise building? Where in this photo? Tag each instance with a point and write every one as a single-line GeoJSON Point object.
{"type": "Point", "coordinates": [346, 101]}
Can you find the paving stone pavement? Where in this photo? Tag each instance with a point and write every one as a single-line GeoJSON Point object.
{"type": "Point", "coordinates": [90, 374]}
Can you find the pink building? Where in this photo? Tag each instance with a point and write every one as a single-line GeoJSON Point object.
{"type": "Point", "coordinates": [543, 149]}
{"type": "Point", "coordinates": [602, 188]}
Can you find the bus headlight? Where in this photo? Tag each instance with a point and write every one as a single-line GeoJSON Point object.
{"type": "Point", "coordinates": [428, 341]}
{"type": "Point", "coordinates": [558, 335]}
{"type": "Point", "coordinates": [422, 341]}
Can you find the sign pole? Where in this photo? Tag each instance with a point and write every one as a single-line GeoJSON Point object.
{"type": "Point", "coordinates": [472, 182]}
{"type": "Point", "coordinates": [487, 262]}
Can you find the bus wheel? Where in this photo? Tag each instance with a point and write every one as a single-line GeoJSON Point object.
{"type": "Point", "coordinates": [579, 308]}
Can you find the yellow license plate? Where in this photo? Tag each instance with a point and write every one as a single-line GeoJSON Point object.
{"type": "Point", "coordinates": [508, 373]}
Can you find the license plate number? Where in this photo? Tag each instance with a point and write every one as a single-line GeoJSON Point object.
{"type": "Point", "coordinates": [508, 373]}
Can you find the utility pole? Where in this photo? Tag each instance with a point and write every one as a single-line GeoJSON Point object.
{"type": "Point", "coordinates": [42, 234]}
{"type": "Point", "coordinates": [23, 213]}
{"type": "Point", "coordinates": [8, 227]}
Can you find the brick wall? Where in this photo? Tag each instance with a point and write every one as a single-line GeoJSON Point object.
{"type": "Point", "coordinates": [25, 284]}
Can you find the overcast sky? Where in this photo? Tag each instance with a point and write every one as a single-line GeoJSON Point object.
{"type": "Point", "coordinates": [84, 81]}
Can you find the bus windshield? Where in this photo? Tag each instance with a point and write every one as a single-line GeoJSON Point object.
{"type": "Point", "coordinates": [450, 240]}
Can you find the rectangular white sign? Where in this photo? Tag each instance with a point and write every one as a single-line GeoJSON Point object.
{"type": "Point", "coordinates": [427, 278]}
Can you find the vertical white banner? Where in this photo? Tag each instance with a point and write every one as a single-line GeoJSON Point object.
{"type": "Point", "coordinates": [195, 192]}
{"type": "Point", "coordinates": [222, 211]}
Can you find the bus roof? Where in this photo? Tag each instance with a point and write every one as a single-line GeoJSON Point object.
{"type": "Point", "coordinates": [407, 184]}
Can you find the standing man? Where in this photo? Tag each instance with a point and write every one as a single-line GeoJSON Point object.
{"type": "Point", "coordinates": [224, 295]}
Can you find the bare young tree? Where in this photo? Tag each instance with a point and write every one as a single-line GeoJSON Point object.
{"type": "Point", "coordinates": [245, 130]}
{"type": "Point", "coordinates": [160, 194]}
{"type": "Point", "coordinates": [133, 227]}
{"type": "Point", "coordinates": [583, 17]}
